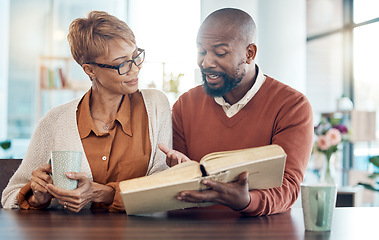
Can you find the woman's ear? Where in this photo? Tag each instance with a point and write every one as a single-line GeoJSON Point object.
{"type": "Point", "coordinates": [251, 52]}
{"type": "Point", "coordinates": [89, 70]}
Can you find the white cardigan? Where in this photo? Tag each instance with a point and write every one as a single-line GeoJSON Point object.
{"type": "Point", "coordinates": [58, 130]}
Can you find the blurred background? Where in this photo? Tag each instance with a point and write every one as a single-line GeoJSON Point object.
{"type": "Point", "coordinates": [326, 49]}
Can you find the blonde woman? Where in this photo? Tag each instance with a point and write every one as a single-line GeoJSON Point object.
{"type": "Point", "coordinates": [115, 124]}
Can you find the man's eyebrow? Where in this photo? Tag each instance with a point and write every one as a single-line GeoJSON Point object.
{"type": "Point", "coordinates": [220, 45]}
{"type": "Point", "coordinates": [215, 45]}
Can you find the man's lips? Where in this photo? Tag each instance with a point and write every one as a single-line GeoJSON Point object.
{"type": "Point", "coordinates": [213, 78]}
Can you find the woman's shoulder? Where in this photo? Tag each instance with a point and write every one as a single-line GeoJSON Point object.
{"type": "Point", "coordinates": [153, 93]}
{"type": "Point", "coordinates": [154, 96]}
{"type": "Point", "coordinates": [63, 110]}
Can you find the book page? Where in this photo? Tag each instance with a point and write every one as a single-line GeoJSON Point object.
{"type": "Point", "coordinates": [265, 166]}
{"type": "Point", "coordinates": [176, 174]}
{"type": "Point", "coordinates": [220, 161]}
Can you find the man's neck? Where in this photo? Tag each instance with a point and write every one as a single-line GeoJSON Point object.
{"type": "Point", "coordinates": [237, 93]}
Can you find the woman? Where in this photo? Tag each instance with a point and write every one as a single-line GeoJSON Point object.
{"type": "Point", "coordinates": [117, 126]}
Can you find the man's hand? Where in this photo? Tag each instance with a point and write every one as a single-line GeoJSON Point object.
{"type": "Point", "coordinates": [234, 195]}
{"type": "Point", "coordinates": [173, 157]}
{"type": "Point", "coordinates": [86, 192]}
{"type": "Point", "coordinates": [40, 178]}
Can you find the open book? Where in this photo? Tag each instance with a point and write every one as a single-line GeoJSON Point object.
{"type": "Point", "coordinates": [157, 192]}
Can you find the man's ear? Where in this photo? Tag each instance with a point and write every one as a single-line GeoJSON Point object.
{"type": "Point", "coordinates": [251, 52]}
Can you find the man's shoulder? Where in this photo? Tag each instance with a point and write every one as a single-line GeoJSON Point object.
{"type": "Point", "coordinates": [279, 89]}
{"type": "Point", "coordinates": [276, 84]}
{"type": "Point", "coordinates": [192, 99]}
{"type": "Point", "coordinates": [283, 96]}
{"type": "Point", "coordinates": [195, 94]}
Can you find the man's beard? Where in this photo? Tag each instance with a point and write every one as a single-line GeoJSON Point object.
{"type": "Point", "coordinates": [230, 82]}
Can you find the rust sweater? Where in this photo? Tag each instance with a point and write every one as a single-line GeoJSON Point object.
{"type": "Point", "coordinates": [277, 114]}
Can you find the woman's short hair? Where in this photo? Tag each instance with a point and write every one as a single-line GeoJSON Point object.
{"type": "Point", "coordinates": [89, 37]}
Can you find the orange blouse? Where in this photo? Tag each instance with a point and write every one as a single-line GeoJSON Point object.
{"type": "Point", "coordinates": [122, 153]}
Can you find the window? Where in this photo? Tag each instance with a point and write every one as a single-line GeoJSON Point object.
{"type": "Point", "coordinates": [162, 28]}
{"type": "Point", "coordinates": [342, 50]}
{"type": "Point", "coordinates": [169, 37]}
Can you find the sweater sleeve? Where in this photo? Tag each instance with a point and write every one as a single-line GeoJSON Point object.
{"type": "Point", "coordinates": [37, 154]}
{"type": "Point", "coordinates": [294, 133]}
{"type": "Point", "coordinates": [160, 127]}
{"type": "Point", "coordinates": [56, 130]}
{"type": "Point", "coordinates": [23, 197]}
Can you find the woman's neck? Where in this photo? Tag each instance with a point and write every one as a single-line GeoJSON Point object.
{"type": "Point", "coordinates": [104, 106]}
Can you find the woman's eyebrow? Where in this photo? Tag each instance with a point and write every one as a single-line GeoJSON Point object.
{"type": "Point", "coordinates": [123, 57]}
{"type": "Point", "coordinates": [119, 58]}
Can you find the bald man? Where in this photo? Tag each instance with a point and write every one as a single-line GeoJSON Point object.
{"type": "Point", "coordinates": [239, 107]}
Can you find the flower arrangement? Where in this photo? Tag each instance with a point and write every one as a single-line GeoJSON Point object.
{"type": "Point", "coordinates": [330, 132]}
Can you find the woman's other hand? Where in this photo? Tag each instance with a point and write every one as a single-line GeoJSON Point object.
{"type": "Point", "coordinates": [173, 157]}
{"type": "Point", "coordinates": [87, 191]}
{"type": "Point", "coordinates": [39, 180]}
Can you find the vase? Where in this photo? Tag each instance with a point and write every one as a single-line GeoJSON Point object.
{"type": "Point", "coordinates": [328, 172]}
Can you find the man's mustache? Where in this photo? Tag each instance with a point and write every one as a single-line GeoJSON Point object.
{"type": "Point", "coordinates": [208, 71]}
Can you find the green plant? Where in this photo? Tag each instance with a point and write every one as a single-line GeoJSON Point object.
{"type": "Point", "coordinates": [5, 144]}
{"type": "Point", "coordinates": [375, 175]}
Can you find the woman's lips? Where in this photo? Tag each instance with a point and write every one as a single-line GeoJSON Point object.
{"type": "Point", "coordinates": [132, 82]}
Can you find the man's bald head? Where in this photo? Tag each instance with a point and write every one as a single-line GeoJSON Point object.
{"type": "Point", "coordinates": [235, 22]}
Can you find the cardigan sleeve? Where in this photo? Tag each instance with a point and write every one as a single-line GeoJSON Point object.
{"type": "Point", "coordinates": [56, 130]}
{"type": "Point", "coordinates": [160, 127]}
{"type": "Point", "coordinates": [23, 196]}
{"type": "Point", "coordinates": [37, 154]}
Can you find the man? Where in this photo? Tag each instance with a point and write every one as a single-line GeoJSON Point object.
{"type": "Point", "coordinates": [239, 107]}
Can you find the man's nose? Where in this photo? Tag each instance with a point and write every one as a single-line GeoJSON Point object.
{"type": "Point", "coordinates": [208, 62]}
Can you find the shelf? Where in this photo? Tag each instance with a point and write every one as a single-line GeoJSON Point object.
{"type": "Point", "coordinates": [56, 83]}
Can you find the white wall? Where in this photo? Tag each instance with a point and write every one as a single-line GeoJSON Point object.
{"type": "Point", "coordinates": [249, 6]}
{"type": "Point", "coordinates": [282, 41]}
{"type": "Point", "coordinates": [4, 30]}
{"type": "Point", "coordinates": [281, 28]}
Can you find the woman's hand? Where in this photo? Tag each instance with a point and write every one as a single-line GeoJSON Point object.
{"type": "Point", "coordinates": [40, 178]}
{"type": "Point", "coordinates": [86, 192]}
{"type": "Point", "coordinates": [173, 157]}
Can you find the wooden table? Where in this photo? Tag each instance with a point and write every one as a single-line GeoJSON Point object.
{"type": "Point", "coordinates": [348, 223]}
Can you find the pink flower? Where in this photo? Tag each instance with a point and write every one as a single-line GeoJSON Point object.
{"type": "Point", "coordinates": [341, 128]}
{"type": "Point", "coordinates": [334, 136]}
{"type": "Point", "coordinates": [323, 142]}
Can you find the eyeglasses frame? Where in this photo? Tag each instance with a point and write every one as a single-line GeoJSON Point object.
{"type": "Point", "coordinates": [102, 65]}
